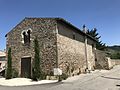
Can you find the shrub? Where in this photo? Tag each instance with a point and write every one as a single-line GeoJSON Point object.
{"type": "Point", "coordinates": [14, 73]}
{"type": "Point", "coordinates": [63, 77]}
{"type": "Point", "coordinates": [9, 65]}
{"type": "Point", "coordinates": [43, 76]}
{"type": "Point", "coordinates": [36, 69]}
{"type": "Point", "coordinates": [51, 73]}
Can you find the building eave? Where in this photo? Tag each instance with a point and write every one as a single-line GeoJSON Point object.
{"type": "Point", "coordinates": [63, 20]}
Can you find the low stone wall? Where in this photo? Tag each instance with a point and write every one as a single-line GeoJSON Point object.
{"type": "Point", "coordinates": [102, 62]}
{"type": "Point", "coordinates": [115, 61]}
{"type": "Point", "coordinates": [110, 63]}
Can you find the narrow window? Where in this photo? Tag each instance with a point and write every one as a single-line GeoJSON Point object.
{"type": "Point", "coordinates": [28, 37]}
{"type": "Point", "coordinates": [25, 37]}
{"type": "Point", "coordinates": [93, 48]}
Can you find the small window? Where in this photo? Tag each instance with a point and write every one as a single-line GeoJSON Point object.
{"type": "Point", "coordinates": [25, 37]}
{"type": "Point", "coordinates": [73, 35]}
{"type": "Point", "coordinates": [93, 48]}
{"type": "Point", "coordinates": [95, 59]}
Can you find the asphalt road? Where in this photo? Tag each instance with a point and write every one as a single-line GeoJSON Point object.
{"type": "Point", "coordinates": [99, 80]}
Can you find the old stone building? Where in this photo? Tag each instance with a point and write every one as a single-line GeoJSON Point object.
{"type": "Point", "coordinates": [3, 60]}
{"type": "Point", "coordinates": [61, 45]}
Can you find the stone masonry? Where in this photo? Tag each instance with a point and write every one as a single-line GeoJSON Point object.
{"type": "Point", "coordinates": [61, 45]}
{"type": "Point", "coordinates": [45, 31]}
{"type": "Point", "coordinates": [71, 52]}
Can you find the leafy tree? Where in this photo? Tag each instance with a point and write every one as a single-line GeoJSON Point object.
{"type": "Point", "coordinates": [94, 34]}
{"type": "Point", "coordinates": [9, 65]}
{"type": "Point", "coordinates": [36, 69]}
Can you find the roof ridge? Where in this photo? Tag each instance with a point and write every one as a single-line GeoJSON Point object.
{"type": "Point", "coordinates": [43, 18]}
{"type": "Point", "coordinates": [56, 18]}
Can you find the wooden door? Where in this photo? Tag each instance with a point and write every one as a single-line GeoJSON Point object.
{"type": "Point", "coordinates": [26, 67]}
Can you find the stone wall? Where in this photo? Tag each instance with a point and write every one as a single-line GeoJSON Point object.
{"type": "Point", "coordinates": [102, 62]}
{"type": "Point", "coordinates": [71, 55]}
{"type": "Point", "coordinates": [71, 51]}
{"type": "Point", "coordinates": [115, 61]}
{"type": "Point", "coordinates": [61, 45]}
{"type": "Point", "coordinates": [91, 54]}
{"type": "Point", "coordinates": [45, 31]}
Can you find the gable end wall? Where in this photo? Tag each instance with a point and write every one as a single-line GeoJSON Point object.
{"type": "Point", "coordinates": [45, 31]}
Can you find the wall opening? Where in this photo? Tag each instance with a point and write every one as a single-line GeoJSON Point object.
{"type": "Point", "coordinates": [26, 37]}
{"type": "Point", "coordinates": [26, 67]}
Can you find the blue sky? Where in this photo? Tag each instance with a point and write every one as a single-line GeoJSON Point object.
{"type": "Point", "coordinates": [102, 14]}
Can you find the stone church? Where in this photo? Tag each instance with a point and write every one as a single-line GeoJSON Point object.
{"type": "Point", "coordinates": [62, 45]}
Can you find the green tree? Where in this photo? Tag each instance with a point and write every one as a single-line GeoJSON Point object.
{"type": "Point", "coordinates": [36, 69]}
{"type": "Point", "coordinates": [9, 65]}
{"type": "Point", "coordinates": [94, 34]}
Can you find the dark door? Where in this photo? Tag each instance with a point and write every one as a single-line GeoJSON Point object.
{"type": "Point", "coordinates": [26, 67]}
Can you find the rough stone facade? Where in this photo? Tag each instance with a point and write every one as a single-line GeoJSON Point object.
{"type": "Point", "coordinates": [71, 51]}
{"type": "Point", "coordinates": [115, 62]}
{"type": "Point", "coordinates": [45, 31]}
{"type": "Point", "coordinates": [61, 45]}
{"type": "Point", "coordinates": [102, 61]}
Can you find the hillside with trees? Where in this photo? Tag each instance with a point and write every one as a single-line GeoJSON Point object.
{"type": "Point", "coordinates": [112, 51]}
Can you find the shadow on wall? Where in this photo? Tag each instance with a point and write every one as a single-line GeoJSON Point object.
{"type": "Point", "coordinates": [102, 61]}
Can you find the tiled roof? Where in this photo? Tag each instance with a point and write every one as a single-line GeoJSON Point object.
{"type": "Point", "coordinates": [65, 21]}
{"type": "Point", "coordinates": [59, 19]}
